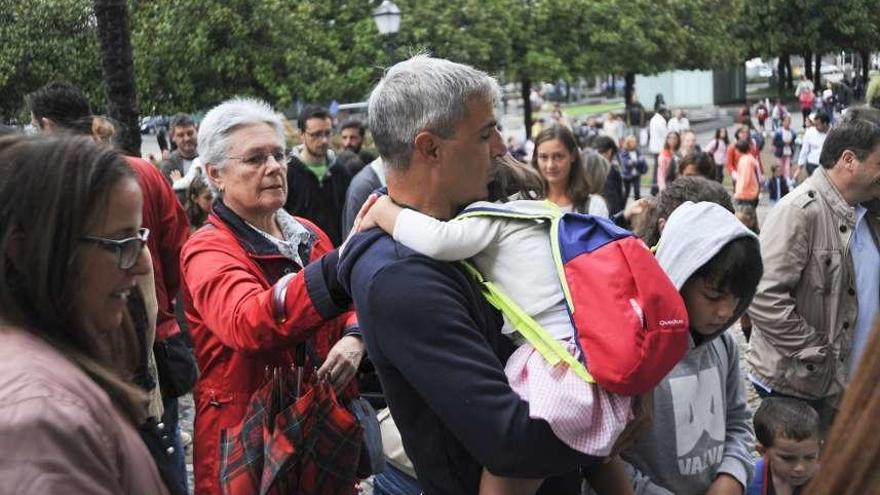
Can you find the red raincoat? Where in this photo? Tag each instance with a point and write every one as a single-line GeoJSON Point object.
{"type": "Point", "coordinates": [241, 327]}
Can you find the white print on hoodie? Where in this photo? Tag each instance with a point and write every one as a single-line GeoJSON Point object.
{"type": "Point", "coordinates": [702, 425]}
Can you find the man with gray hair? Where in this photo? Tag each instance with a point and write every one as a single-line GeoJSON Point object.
{"type": "Point", "coordinates": [435, 342]}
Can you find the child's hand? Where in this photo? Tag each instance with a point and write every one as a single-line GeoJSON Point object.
{"type": "Point", "coordinates": [358, 225]}
{"type": "Point", "coordinates": [382, 214]}
{"type": "Point", "coordinates": [175, 175]}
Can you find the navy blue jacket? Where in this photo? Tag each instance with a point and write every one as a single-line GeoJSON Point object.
{"type": "Point", "coordinates": [439, 352]}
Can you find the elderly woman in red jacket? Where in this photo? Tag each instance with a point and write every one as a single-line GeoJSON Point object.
{"type": "Point", "coordinates": [256, 280]}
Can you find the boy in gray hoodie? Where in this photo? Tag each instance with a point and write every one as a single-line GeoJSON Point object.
{"type": "Point", "coordinates": [701, 436]}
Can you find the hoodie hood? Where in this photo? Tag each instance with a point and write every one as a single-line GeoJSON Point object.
{"type": "Point", "coordinates": [693, 235]}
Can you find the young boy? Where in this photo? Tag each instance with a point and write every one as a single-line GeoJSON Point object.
{"type": "Point", "coordinates": [777, 186]}
{"type": "Point", "coordinates": [701, 436]}
{"type": "Point", "coordinates": [788, 439]}
{"type": "Point", "coordinates": [747, 185]}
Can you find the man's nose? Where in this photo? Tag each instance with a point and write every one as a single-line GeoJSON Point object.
{"type": "Point", "coordinates": [497, 146]}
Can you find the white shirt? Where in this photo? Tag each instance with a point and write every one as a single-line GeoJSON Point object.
{"type": "Point", "coordinates": [658, 133]}
{"type": "Point", "coordinates": [811, 147]}
{"type": "Point", "coordinates": [678, 124]}
{"type": "Point", "coordinates": [866, 261]}
{"type": "Point", "coordinates": [597, 207]}
{"type": "Point", "coordinates": [514, 254]}
{"type": "Point", "coordinates": [193, 168]}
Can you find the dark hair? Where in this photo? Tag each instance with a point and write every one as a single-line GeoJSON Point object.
{"type": "Point", "coordinates": [604, 143]}
{"type": "Point", "coordinates": [683, 189]}
{"type": "Point", "coordinates": [196, 215]}
{"type": "Point", "coordinates": [511, 176]}
{"type": "Point", "coordinates": [821, 116]}
{"type": "Point", "coordinates": [181, 120]}
{"type": "Point", "coordinates": [748, 215]}
{"type": "Point", "coordinates": [353, 123]}
{"type": "Point", "coordinates": [51, 188]}
{"type": "Point", "coordinates": [578, 185]}
{"type": "Point", "coordinates": [703, 161]}
{"type": "Point", "coordinates": [736, 269]}
{"type": "Point", "coordinates": [791, 418]}
{"type": "Point", "coordinates": [63, 103]}
{"type": "Point", "coordinates": [718, 134]}
{"type": "Point", "coordinates": [858, 131]}
{"type": "Point", "coordinates": [742, 146]}
{"type": "Point", "coordinates": [311, 112]}
{"type": "Point", "coordinates": [677, 138]}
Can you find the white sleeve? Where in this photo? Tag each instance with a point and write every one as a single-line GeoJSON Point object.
{"type": "Point", "coordinates": [186, 180]}
{"type": "Point", "coordinates": [445, 241]}
{"type": "Point", "coordinates": [598, 206]}
{"type": "Point", "coordinates": [805, 151]}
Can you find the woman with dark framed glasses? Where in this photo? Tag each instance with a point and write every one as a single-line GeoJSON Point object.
{"type": "Point", "coordinates": [72, 252]}
{"type": "Point", "coordinates": [257, 281]}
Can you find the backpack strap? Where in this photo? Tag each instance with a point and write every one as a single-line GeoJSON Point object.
{"type": "Point", "coordinates": [549, 348]}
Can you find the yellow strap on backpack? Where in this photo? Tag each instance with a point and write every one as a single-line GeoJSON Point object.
{"type": "Point", "coordinates": [549, 348]}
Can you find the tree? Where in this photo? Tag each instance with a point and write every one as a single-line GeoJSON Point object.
{"type": "Point", "coordinates": [116, 60]}
{"type": "Point", "coordinates": [45, 40]}
{"type": "Point", "coordinates": [193, 55]}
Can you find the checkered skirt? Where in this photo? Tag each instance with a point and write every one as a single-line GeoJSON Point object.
{"type": "Point", "coordinates": [583, 415]}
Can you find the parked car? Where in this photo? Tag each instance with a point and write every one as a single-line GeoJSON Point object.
{"type": "Point", "coordinates": [831, 73]}
{"type": "Point", "coordinates": [151, 123]}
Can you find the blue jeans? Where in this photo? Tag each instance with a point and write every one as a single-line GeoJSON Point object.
{"type": "Point", "coordinates": [178, 459]}
{"type": "Point", "coordinates": [393, 481]}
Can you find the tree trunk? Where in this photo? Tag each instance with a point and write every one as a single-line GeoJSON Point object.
{"type": "Point", "coordinates": [790, 75]}
{"type": "Point", "coordinates": [817, 74]}
{"type": "Point", "coordinates": [114, 34]}
{"type": "Point", "coordinates": [526, 92]}
{"type": "Point", "coordinates": [808, 65]}
{"type": "Point", "coordinates": [866, 65]}
{"type": "Point", "coordinates": [629, 87]}
{"type": "Point", "coordinates": [780, 76]}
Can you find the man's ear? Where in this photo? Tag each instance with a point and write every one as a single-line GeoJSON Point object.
{"type": "Point", "coordinates": [661, 224]}
{"type": "Point", "coordinates": [427, 146]}
{"type": "Point", "coordinates": [760, 448]}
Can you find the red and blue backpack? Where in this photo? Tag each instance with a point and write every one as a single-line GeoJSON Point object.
{"type": "Point", "coordinates": [630, 322]}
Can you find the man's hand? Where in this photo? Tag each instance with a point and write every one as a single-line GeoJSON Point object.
{"type": "Point", "coordinates": [725, 484]}
{"type": "Point", "coordinates": [342, 361]}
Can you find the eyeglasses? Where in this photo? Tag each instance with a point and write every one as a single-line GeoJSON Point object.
{"type": "Point", "coordinates": [259, 159]}
{"type": "Point", "coordinates": [127, 250]}
{"type": "Point", "coordinates": [318, 134]}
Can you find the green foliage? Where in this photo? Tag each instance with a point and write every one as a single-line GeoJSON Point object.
{"type": "Point", "coordinates": [193, 55]}
{"type": "Point", "coordinates": [44, 40]}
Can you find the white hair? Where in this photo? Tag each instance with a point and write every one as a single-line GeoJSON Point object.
{"type": "Point", "coordinates": [423, 94]}
{"type": "Point", "coordinates": [221, 121]}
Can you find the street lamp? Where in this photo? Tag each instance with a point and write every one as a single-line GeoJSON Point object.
{"type": "Point", "coordinates": [387, 17]}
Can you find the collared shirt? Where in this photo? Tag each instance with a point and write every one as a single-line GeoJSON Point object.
{"type": "Point", "coordinates": [294, 235]}
{"type": "Point", "coordinates": [866, 259]}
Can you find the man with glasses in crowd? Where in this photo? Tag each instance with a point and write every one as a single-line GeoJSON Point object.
{"type": "Point", "coordinates": [316, 183]}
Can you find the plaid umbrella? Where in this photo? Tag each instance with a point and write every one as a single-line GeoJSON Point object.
{"type": "Point", "coordinates": [308, 445]}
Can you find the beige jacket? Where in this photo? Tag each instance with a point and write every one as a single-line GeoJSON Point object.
{"type": "Point", "coordinates": [59, 432]}
{"type": "Point", "coordinates": [805, 309]}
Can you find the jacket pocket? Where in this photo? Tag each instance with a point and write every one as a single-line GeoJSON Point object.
{"type": "Point", "coordinates": [809, 372]}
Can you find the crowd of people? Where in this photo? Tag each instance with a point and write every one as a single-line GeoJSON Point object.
{"type": "Point", "coordinates": [439, 266]}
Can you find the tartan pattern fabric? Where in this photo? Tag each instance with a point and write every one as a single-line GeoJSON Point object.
{"type": "Point", "coordinates": [310, 447]}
